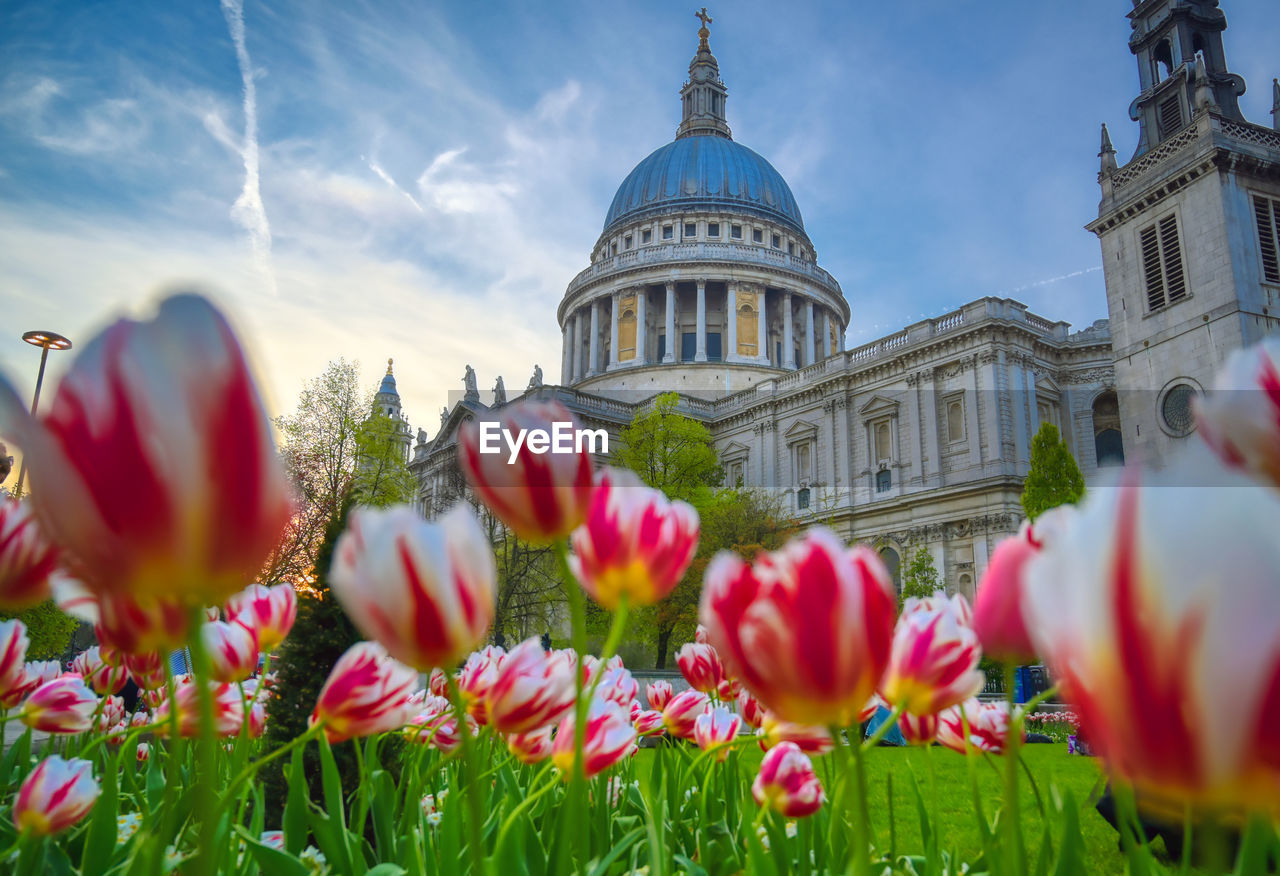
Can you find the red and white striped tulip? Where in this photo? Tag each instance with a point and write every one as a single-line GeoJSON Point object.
{"type": "Point", "coordinates": [635, 542]}
{"type": "Point", "coordinates": [144, 752]}
{"type": "Point", "coordinates": [787, 783]}
{"type": "Point", "coordinates": [438, 682]}
{"type": "Point", "coordinates": [228, 710]}
{"type": "Point", "coordinates": [64, 705]}
{"type": "Point", "coordinates": [13, 653]}
{"type": "Point", "coordinates": [998, 616]}
{"type": "Point", "coordinates": [635, 710]}
{"type": "Point", "coordinates": [542, 496]}
{"type": "Point", "coordinates": [918, 729]}
{"type": "Point", "coordinates": [609, 738]}
{"type": "Point", "coordinates": [54, 796]}
{"type": "Point", "coordinates": [934, 661]}
{"type": "Point", "coordinates": [727, 690]}
{"type": "Point", "coordinates": [649, 723]}
{"type": "Point", "coordinates": [172, 403]}
{"type": "Point", "coordinates": [232, 649]}
{"type": "Point", "coordinates": [807, 629]}
{"type": "Point", "coordinates": [257, 720]}
{"type": "Point", "coordinates": [35, 673]}
{"type": "Point", "coordinates": [617, 684]}
{"type": "Point", "coordinates": [750, 709]}
{"type": "Point", "coordinates": [988, 725]}
{"type": "Point", "coordinates": [124, 623]}
{"type": "Point", "coordinates": [1240, 419]}
{"type": "Point", "coordinates": [658, 694]}
{"type": "Point", "coordinates": [700, 634]}
{"type": "Point", "coordinates": [103, 678]}
{"type": "Point", "coordinates": [148, 669]}
{"type": "Point", "coordinates": [682, 711]}
{"type": "Point", "coordinates": [428, 711]}
{"type": "Point", "coordinates": [700, 665]}
{"type": "Point", "coordinates": [476, 677]}
{"type": "Point", "coordinates": [529, 690]}
{"type": "Point", "coordinates": [27, 559]}
{"type": "Point", "coordinates": [532, 747]}
{"type": "Point", "coordinates": [715, 729]}
{"type": "Point", "coordinates": [1157, 609]}
{"type": "Point", "coordinates": [809, 738]}
{"type": "Point", "coordinates": [268, 611]}
{"type": "Point", "coordinates": [366, 693]}
{"type": "Point", "coordinates": [424, 590]}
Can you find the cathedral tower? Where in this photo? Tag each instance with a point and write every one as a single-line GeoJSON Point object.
{"type": "Point", "coordinates": [1189, 227]}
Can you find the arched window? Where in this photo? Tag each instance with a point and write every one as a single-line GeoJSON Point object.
{"type": "Point", "coordinates": [884, 480]}
{"type": "Point", "coordinates": [955, 421]}
{"type": "Point", "coordinates": [1108, 443]}
{"type": "Point", "coordinates": [1164, 60]}
{"type": "Point", "coordinates": [893, 563]}
{"type": "Point", "coordinates": [883, 448]}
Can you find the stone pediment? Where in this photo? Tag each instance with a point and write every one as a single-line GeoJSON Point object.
{"type": "Point", "coordinates": [878, 404]}
{"type": "Point", "coordinates": [800, 430]}
{"type": "Point", "coordinates": [1045, 383]}
{"type": "Point", "coordinates": [734, 450]}
{"type": "Point", "coordinates": [458, 414]}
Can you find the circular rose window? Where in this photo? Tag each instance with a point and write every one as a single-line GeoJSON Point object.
{"type": "Point", "coordinates": [1176, 409]}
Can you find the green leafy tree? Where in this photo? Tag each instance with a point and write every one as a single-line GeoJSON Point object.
{"type": "Point", "coordinates": [48, 629]}
{"type": "Point", "coordinates": [382, 475]}
{"type": "Point", "coordinates": [920, 579]}
{"type": "Point", "coordinates": [671, 451]}
{"type": "Point", "coordinates": [1054, 478]}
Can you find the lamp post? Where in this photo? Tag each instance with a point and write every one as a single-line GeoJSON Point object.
{"type": "Point", "coordinates": [46, 341]}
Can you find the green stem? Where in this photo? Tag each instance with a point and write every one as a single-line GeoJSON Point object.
{"type": "Point", "coordinates": [888, 724]}
{"type": "Point", "coordinates": [252, 769]}
{"type": "Point", "coordinates": [472, 789]}
{"type": "Point", "coordinates": [857, 812]}
{"type": "Point", "coordinates": [1015, 849]}
{"type": "Point", "coordinates": [206, 801]}
{"type": "Point", "coordinates": [578, 780]}
{"type": "Point", "coordinates": [527, 802]}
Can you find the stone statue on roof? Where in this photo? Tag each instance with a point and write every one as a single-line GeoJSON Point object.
{"type": "Point", "coordinates": [469, 383]}
{"type": "Point", "coordinates": [535, 382]}
{"type": "Point", "coordinates": [499, 393]}
{"type": "Point", "coordinates": [444, 416]}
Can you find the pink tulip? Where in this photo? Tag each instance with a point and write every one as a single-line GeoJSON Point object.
{"type": "Point", "coordinates": [64, 705]}
{"type": "Point", "coordinates": [532, 747]}
{"type": "Point", "coordinates": [787, 783]}
{"type": "Point", "coordinates": [13, 651]}
{"type": "Point", "coordinates": [750, 709]}
{"type": "Point", "coordinates": [104, 679]}
{"type": "Point", "coordinates": [988, 725]}
{"type": "Point", "coordinates": [634, 710]}
{"type": "Point", "coordinates": [542, 497]}
{"type": "Point", "coordinates": [444, 731]}
{"type": "Point", "coordinates": [727, 690]}
{"type": "Point", "coordinates": [609, 738]}
{"type": "Point", "coordinates": [648, 723]}
{"type": "Point", "coordinates": [366, 693]}
{"type": "Point", "coordinates": [424, 590]}
{"type": "Point", "coordinates": [529, 691]}
{"type": "Point", "coordinates": [268, 611]}
{"type": "Point", "coordinates": [716, 729]}
{"type": "Point", "coordinates": [428, 714]}
{"type": "Point", "coordinates": [148, 669]}
{"type": "Point", "coordinates": [635, 542]}
{"type": "Point", "coordinates": [475, 679]}
{"type": "Point", "coordinates": [809, 738]}
{"type": "Point", "coordinates": [700, 635]}
{"type": "Point", "coordinates": [228, 710]}
{"type": "Point", "coordinates": [54, 796]}
{"type": "Point", "coordinates": [27, 559]}
{"type": "Point", "coordinates": [154, 466]}
{"type": "Point", "coordinates": [257, 720]}
{"type": "Point", "coordinates": [998, 609]}
{"type": "Point", "coordinates": [807, 629]}
{"type": "Point", "coordinates": [700, 665]}
{"type": "Point", "coordinates": [232, 649]}
{"type": "Point", "coordinates": [934, 661]}
{"type": "Point", "coordinates": [658, 694]}
{"type": "Point", "coordinates": [918, 729]}
{"type": "Point", "coordinates": [617, 684]}
{"type": "Point", "coordinates": [1240, 419]}
{"type": "Point", "coordinates": [438, 682]}
{"type": "Point", "coordinates": [1156, 611]}
{"type": "Point", "coordinates": [682, 711]}
{"type": "Point", "coordinates": [144, 752]}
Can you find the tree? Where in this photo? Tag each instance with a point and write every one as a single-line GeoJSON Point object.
{"type": "Point", "coordinates": [1054, 478]}
{"type": "Point", "coordinates": [48, 629]}
{"type": "Point", "coordinates": [920, 580]}
{"type": "Point", "coordinates": [382, 475]}
{"type": "Point", "coordinates": [671, 451]}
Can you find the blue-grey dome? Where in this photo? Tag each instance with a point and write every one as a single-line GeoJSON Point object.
{"type": "Point", "coordinates": [388, 385]}
{"type": "Point", "coordinates": [705, 172]}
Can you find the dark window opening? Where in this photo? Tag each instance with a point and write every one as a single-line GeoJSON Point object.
{"type": "Point", "coordinates": [884, 481]}
{"type": "Point", "coordinates": [757, 236]}
{"type": "Point", "coordinates": [802, 498]}
{"type": "Point", "coordinates": [662, 347]}
{"type": "Point", "coordinates": [735, 231]}
{"type": "Point", "coordinates": [1164, 60]}
{"type": "Point", "coordinates": [690, 229]}
{"type": "Point", "coordinates": [668, 232]}
{"type": "Point", "coordinates": [688, 346]}
{"type": "Point", "coordinates": [713, 229]}
{"type": "Point", "coordinates": [713, 347]}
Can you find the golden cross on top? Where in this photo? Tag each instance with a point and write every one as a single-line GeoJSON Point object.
{"type": "Point", "coordinates": [706, 19]}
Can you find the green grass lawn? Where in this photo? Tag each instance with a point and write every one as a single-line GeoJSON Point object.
{"type": "Point", "coordinates": [1056, 773]}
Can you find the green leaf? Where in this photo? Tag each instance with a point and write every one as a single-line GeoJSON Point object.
{"type": "Point", "coordinates": [691, 868]}
{"type": "Point", "coordinates": [100, 842]}
{"type": "Point", "coordinates": [271, 860]}
{"type": "Point", "coordinates": [155, 780]}
{"type": "Point", "coordinates": [294, 821]}
{"type": "Point", "coordinates": [1070, 859]}
{"type": "Point", "coordinates": [602, 866]}
{"type": "Point", "coordinates": [386, 870]}
{"type": "Point", "coordinates": [332, 784]}
{"type": "Point", "coordinates": [18, 755]}
{"type": "Point", "coordinates": [383, 810]}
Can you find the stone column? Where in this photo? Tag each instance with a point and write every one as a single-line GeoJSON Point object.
{"type": "Point", "coordinates": [731, 354]}
{"type": "Point", "coordinates": [839, 336]}
{"type": "Point", "coordinates": [613, 330]}
{"type": "Point", "coordinates": [701, 353]}
{"type": "Point", "coordinates": [808, 332]}
{"type": "Point", "coordinates": [762, 326]}
{"type": "Point", "coordinates": [566, 357]}
{"type": "Point", "coordinates": [579, 371]}
{"type": "Point", "coordinates": [593, 352]}
{"type": "Point", "coordinates": [927, 391]}
{"type": "Point", "coordinates": [788, 339]}
{"type": "Point", "coordinates": [642, 328]}
{"type": "Point", "coordinates": [672, 340]}
{"type": "Point", "coordinates": [826, 333]}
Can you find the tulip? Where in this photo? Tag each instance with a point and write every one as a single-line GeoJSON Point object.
{"type": "Point", "coordinates": [998, 609]}
{"type": "Point", "coordinates": [446, 737]}
{"type": "Point", "coordinates": [700, 665]}
{"type": "Point", "coordinates": [63, 705]}
{"type": "Point", "coordinates": [988, 725]}
{"type": "Point", "coordinates": [366, 693]}
{"type": "Point", "coordinates": [634, 710]}
{"type": "Point", "coordinates": [1240, 418]}
{"type": "Point", "coordinates": [716, 729]}
{"type": "Point", "coordinates": [112, 711]}
{"type": "Point", "coordinates": [700, 635]}
{"type": "Point", "coordinates": [422, 725]}
{"type": "Point", "coordinates": [682, 711]}
{"type": "Point", "coordinates": [232, 650]}
{"type": "Point", "coordinates": [1157, 609]}
{"type": "Point", "coordinates": [727, 690]}
{"type": "Point", "coordinates": [618, 685]}
{"type": "Point", "coordinates": [228, 710]}
{"type": "Point", "coordinates": [658, 694]}
{"type": "Point", "coordinates": [918, 729]}
{"type": "Point", "coordinates": [273, 839]}
{"type": "Point", "coordinates": [148, 669]}
{"type": "Point", "coordinates": [532, 747]}
{"type": "Point", "coordinates": [648, 723]}
{"type": "Point", "coordinates": [13, 651]}
{"type": "Point", "coordinates": [807, 629]}
{"type": "Point", "coordinates": [438, 682]}
{"type": "Point", "coordinates": [424, 590]}
{"type": "Point", "coordinates": [27, 559]}
{"type": "Point", "coordinates": [608, 739]}
{"type": "Point", "coordinates": [750, 709]}
{"type": "Point", "coordinates": [124, 622]}
{"type": "Point", "coordinates": [54, 796]}
{"type": "Point", "coordinates": [154, 466]}
{"type": "Point", "coordinates": [257, 720]}
{"type": "Point", "coordinates": [635, 542]}
{"type": "Point", "coordinates": [529, 691]}
{"type": "Point", "coordinates": [787, 783]}
{"type": "Point", "coordinates": [933, 664]}
{"type": "Point", "coordinates": [268, 611]}
{"type": "Point", "coordinates": [475, 679]}
{"type": "Point", "coordinates": [810, 739]}
{"type": "Point", "coordinates": [542, 497]}
{"type": "Point", "coordinates": [104, 679]}
{"type": "Point", "coordinates": [144, 752]}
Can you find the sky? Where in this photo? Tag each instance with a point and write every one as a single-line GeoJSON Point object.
{"type": "Point", "coordinates": [421, 180]}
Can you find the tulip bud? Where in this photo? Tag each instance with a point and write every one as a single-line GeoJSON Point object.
{"type": "Point", "coordinates": [988, 725]}
{"type": "Point", "coordinates": [618, 685]}
{"type": "Point", "coordinates": [103, 678]}
{"type": "Point", "coordinates": [475, 679]}
{"type": "Point", "coordinates": [144, 752]}
{"type": "Point", "coordinates": [787, 783]}
{"type": "Point", "coordinates": [27, 559]}
{"type": "Point", "coordinates": [532, 747]}
{"type": "Point", "coordinates": [1240, 418]}
{"type": "Point", "coordinates": [13, 651]}
{"type": "Point", "coordinates": [228, 710]}
{"type": "Point", "coordinates": [232, 649]}
{"type": "Point", "coordinates": [438, 683]}
{"type": "Point", "coordinates": [918, 729]}
{"type": "Point", "coordinates": [54, 796]}
{"type": "Point", "coordinates": [934, 661]}
{"type": "Point", "coordinates": [682, 711]}
{"type": "Point", "coordinates": [648, 723]}
{"type": "Point", "coordinates": [268, 611]}
{"type": "Point", "coordinates": [750, 709]}
{"type": "Point", "coordinates": [64, 705]}
{"type": "Point", "coordinates": [700, 666]}
{"type": "Point", "coordinates": [147, 669]}
{"type": "Point", "coordinates": [810, 739]}
{"type": "Point", "coordinates": [366, 693]}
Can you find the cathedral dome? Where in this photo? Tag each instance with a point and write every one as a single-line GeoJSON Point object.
{"type": "Point", "coordinates": [704, 172]}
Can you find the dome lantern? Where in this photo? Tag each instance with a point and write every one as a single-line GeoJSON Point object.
{"type": "Point", "coordinates": [702, 97]}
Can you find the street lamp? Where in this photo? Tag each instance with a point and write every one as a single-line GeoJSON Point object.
{"type": "Point", "coordinates": [46, 341]}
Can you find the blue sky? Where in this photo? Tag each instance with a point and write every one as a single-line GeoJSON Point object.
{"type": "Point", "coordinates": [426, 178]}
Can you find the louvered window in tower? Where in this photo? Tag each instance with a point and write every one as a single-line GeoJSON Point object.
{"type": "Point", "coordinates": [1267, 213]}
{"type": "Point", "coordinates": [1170, 111]}
{"type": "Point", "coordinates": [1162, 263]}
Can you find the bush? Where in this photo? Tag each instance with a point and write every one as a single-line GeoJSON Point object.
{"type": "Point", "coordinates": [48, 628]}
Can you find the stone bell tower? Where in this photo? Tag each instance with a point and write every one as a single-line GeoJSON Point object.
{"type": "Point", "coordinates": [1189, 227]}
